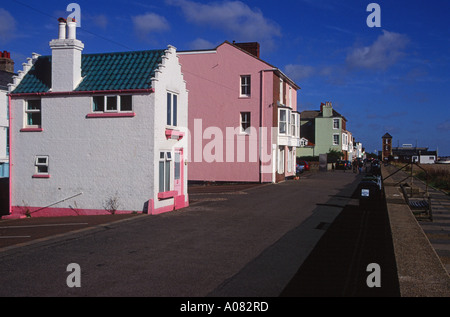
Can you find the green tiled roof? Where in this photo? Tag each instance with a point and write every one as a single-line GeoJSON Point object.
{"type": "Point", "coordinates": [108, 71]}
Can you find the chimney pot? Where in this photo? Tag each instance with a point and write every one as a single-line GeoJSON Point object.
{"type": "Point", "coordinates": [72, 27]}
{"type": "Point", "coordinates": [62, 29]}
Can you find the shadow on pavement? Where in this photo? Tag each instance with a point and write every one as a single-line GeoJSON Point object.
{"type": "Point", "coordinates": [337, 266]}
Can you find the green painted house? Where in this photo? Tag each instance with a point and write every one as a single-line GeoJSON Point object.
{"type": "Point", "coordinates": [324, 130]}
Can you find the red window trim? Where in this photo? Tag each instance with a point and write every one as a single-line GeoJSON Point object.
{"type": "Point", "coordinates": [111, 115]}
{"type": "Point", "coordinates": [31, 130]}
{"type": "Point", "coordinates": [41, 176]}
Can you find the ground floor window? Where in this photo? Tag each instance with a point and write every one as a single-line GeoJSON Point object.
{"type": "Point", "coordinates": [164, 171]}
{"type": "Point", "coordinates": [41, 164]}
{"type": "Point", "coordinates": [245, 122]}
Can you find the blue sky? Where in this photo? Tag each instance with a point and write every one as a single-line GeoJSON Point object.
{"type": "Point", "coordinates": [392, 78]}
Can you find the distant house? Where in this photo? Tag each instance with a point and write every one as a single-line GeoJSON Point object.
{"type": "Point", "coordinates": [326, 129]}
{"type": "Point", "coordinates": [6, 77]}
{"type": "Point", "coordinates": [243, 115]}
{"type": "Point", "coordinates": [408, 153]}
{"type": "Point", "coordinates": [98, 133]}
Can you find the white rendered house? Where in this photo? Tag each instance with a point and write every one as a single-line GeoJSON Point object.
{"type": "Point", "coordinates": [98, 133]}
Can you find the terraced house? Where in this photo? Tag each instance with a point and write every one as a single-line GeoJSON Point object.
{"type": "Point", "coordinates": [243, 115]}
{"type": "Point", "coordinates": [98, 133]}
{"type": "Point", "coordinates": [326, 129]}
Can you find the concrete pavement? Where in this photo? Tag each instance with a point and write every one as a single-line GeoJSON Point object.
{"type": "Point", "coordinates": [296, 238]}
{"type": "Point", "coordinates": [421, 272]}
{"type": "Point", "coordinates": [247, 244]}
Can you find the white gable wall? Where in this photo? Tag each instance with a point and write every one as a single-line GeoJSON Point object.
{"type": "Point", "coordinates": [170, 79]}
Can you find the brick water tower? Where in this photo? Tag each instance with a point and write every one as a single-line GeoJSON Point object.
{"type": "Point", "coordinates": [387, 147]}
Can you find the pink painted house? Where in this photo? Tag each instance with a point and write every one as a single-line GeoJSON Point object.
{"type": "Point", "coordinates": [242, 117]}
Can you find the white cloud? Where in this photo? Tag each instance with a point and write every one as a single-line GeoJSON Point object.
{"type": "Point", "coordinates": [233, 17]}
{"type": "Point", "coordinates": [383, 53]}
{"type": "Point", "coordinates": [7, 26]}
{"type": "Point", "coordinates": [200, 43]}
{"type": "Point", "coordinates": [299, 72]}
{"type": "Point", "coordinates": [444, 126]}
{"type": "Point", "coordinates": [100, 20]}
{"type": "Point", "coordinates": [149, 22]}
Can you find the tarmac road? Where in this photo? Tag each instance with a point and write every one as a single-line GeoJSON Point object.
{"type": "Point", "coordinates": [250, 242]}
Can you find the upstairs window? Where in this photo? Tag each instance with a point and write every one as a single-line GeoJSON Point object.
{"type": "Point", "coordinates": [98, 103]}
{"type": "Point", "coordinates": [122, 103]}
{"type": "Point", "coordinates": [33, 113]}
{"type": "Point", "coordinates": [335, 139]}
{"type": "Point", "coordinates": [293, 124]}
{"type": "Point", "coordinates": [126, 103]}
{"type": "Point", "coordinates": [245, 86]}
{"type": "Point", "coordinates": [335, 123]}
{"type": "Point", "coordinates": [284, 121]}
{"type": "Point", "coordinates": [172, 108]}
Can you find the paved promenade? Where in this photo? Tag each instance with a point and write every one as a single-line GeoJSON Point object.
{"type": "Point", "coordinates": [247, 242]}
{"type": "Point", "coordinates": [297, 238]}
{"type": "Point", "coordinates": [421, 247]}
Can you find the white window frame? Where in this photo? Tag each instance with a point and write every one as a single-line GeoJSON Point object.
{"type": "Point", "coordinates": [334, 141]}
{"type": "Point", "coordinates": [297, 125]}
{"type": "Point", "coordinates": [172, 116]}
{"type": "Point", "coordinates": [165, 157]}
{"type": "Point", "coordinates": [245, 86]}
{"type": "Point", "coordinates": [286, 123]}
{"type": "Point", "coordinates": [105, 104]}
{"type": "Point", "coordinates": [336, 124]}
{"type": "Point", "coordinates": [344, 139]}
{"type": "Point", "coordinates": [248, 122]}
{"type": "Point", "coordinates": [292, 124]}
{"type": "Point", "coordinates": [38, 164]}
{"type": "Point", "coordinates": [29, 112]}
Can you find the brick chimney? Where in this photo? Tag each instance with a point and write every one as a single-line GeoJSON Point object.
{"type": "Point", "coordinates": [326, 109]}
{"type": "Point", "coordinates": [250, 47]}
{"type": "Point", "coordinates": [66, 57]}
{"type": "Point", "coordinates": [6, 63]}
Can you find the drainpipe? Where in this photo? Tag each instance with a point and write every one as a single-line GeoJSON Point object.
{"type": "Point", "coordinates": [261, 125]}
{"type": "Point", "coordinates": [10, 156]}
